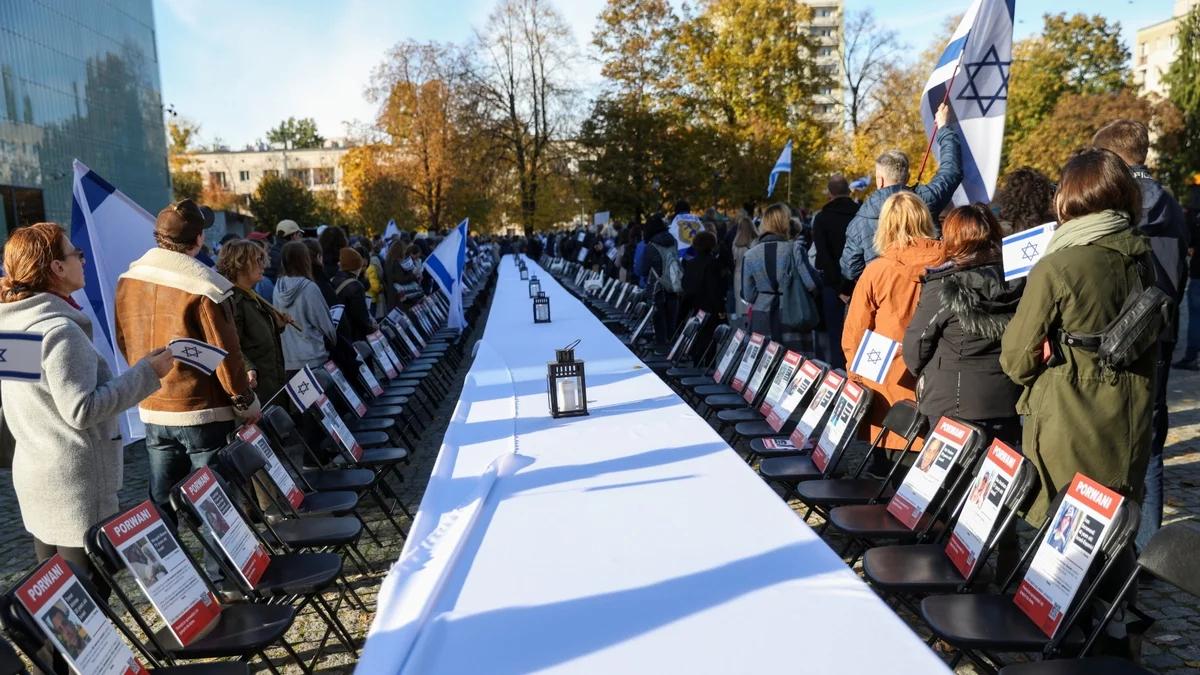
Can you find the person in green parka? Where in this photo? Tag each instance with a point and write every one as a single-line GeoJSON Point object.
{"type": "Point", "coordinates": [1079, 417]}
{"type": "Point", "coordinates": [258, 323]}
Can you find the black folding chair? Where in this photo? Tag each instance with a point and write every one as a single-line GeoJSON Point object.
{"type": "Point", "coordinates": [980, 625]}
{"type": "Point", "coordinates": [11, 664]}
{"type": "Point", "coordinates": [286, 438]}
{"type": "Point", "coordinates": [1169, 556]}
{"type": "Point", "coordinates": [705, 362]}
{"type": "Point", "coordinates": [242, 630]}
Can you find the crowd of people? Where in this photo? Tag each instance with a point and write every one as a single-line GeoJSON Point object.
{"type": "Point", "coordinates": [266, 300]}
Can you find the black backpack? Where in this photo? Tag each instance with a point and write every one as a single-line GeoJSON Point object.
{"type": "Point", "coordinates": [1146, 313]}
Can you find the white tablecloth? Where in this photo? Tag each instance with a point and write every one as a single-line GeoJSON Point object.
{"type": "Point", "coordinates": [633, 540]}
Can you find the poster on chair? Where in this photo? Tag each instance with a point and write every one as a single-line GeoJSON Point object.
{"type": "Point", "coordinates": [1060, 565]}
{"type": "Point", "coordinates": [336, 427]}
{"type": "Point", "coordinates": [835, 429]}
{"type": "Point", "coordinates": [986, 497]}
{"type": "Point", "coordinates": [77, 628]}
{"type": "Point", "coordinates": [233, 535]}
{"type": "Point", "coordinates": [749, 358]}
{"type": "Point", "coordinates": [821, 401]}
{"type": "Point", "coordinates": [344, 387]}
{"type": "Point", "coordinates": [779, 383]}
{"type": "Point", "coordinates": [928, 473]}
{"type": "Point", "coordinates": [163, 571]}
{"type": "Point", "coordinates": [275, 470]}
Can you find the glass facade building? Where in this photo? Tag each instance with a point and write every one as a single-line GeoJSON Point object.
{"type": "Point", "coordinates": [78, 80]}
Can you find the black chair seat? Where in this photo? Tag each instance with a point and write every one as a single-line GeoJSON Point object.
{"type": "Point", "coordinates": [340, 479]}
{"type": "Point", "coordinates": [319, 532]}
{"type": "Point", "coordinates": [912, 569]}
{"type": "Point", "coordinates": [789, 469]}
{"type": "Point", "coordinates": [401, 386]}
{"type": "Point", "coordinates": [299, 573]}
{"type": "Point", "coordinates": [382, 456]}
{"type": "Point", "coordinates": [368, 424]}
{"type": "Point", "coordinates": [331, 503]}
{"type": "Point", "coordinates": [1092, 665]}
{"type": "Point", "coordinates": [725, 401]}
{"type": "Point", "coordinates": [242, 629]}
{"type": "Point", "coordinates": [389, 400]}
{"type": "Point", "coordinates": [755, 430]}
{"type": "Point", "coordinates": [710, 389]}
{"type": "Point", "coordinates": [981, 621]}
{"type": "Point", "coordinates": [840, 491]}
{"type": "Point", "coordinates": [870, 520]}
{"type": "Point", "coordinates": [10, 663]}
{"type": "Point", "coordinates": [740, 415]}
{"type": "Point", "coordinates": [210, 668]}
{"type": "Point", "coordinates": [696, 381]}
{"type": "Point", "coordinates": [680, 373]}
{"type": "Point", "coordinates": [369, 439]}
{"type": "Point", "coordinates": [386, 413]}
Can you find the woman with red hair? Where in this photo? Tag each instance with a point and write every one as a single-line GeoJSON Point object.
{"type": "Point", "coordinates": [952, 344]}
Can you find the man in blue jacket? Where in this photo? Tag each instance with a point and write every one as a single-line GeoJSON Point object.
{"type": "Point", "coordinates": [1163, 222]}
{"type": "Point", "coordinates": [891, 176]}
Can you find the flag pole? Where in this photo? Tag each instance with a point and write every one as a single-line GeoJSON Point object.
{"type": "Point", "coordinates": [945, 99]}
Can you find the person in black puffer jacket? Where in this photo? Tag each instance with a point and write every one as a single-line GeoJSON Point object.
{"type": "Point", "coordinates": [952, 344]}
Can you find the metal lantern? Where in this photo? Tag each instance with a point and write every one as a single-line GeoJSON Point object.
{"type": "Point", "coordinates": [524, 273]}
{"type": "Point", "coordinates": [541, 308]}
{"type": "Point", "coordinates": [566, 384]}
{"type": "Point", "coordinates": [535, 286]}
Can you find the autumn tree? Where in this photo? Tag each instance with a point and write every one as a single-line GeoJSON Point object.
{"type": "Point", "coordinates": [182, 135]}
{"type": "Point", "coordinates": [1182, 162]}
{"type": "Point", "coordinates": [375, 192]}
{"type": "Point", "coordinates": [520, 78]}
{"type": "Point", "coordinates": [295, 134]}
{"type": "Point", "coordinates": [867, 53]}
{"type": "Point", "coordinates": [279, 197]}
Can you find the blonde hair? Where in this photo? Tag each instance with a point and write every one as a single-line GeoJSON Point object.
{"type": "Point", "coordinates": [237, 256]}
{"type": "Point", "coordinates": [777, 220]}
{"type": "Point", "coordinates": [903, 219]}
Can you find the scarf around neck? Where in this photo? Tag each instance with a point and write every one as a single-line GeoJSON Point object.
{"type": "Point", "coordinates": [1087, 229]}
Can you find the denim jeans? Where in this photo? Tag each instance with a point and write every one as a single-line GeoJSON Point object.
{"type": "Point", "coordinates": [1152, 502]}
{"type": "Point", "coordinates": [1192, 349]}
{"type": "Point", "coordinates": [175, 452]}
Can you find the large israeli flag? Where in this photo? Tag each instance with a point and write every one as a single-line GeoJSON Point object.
{"type": "Point", "coordinates": [446, 265]}
{"type": "Point", "coordinates": [782, 165]}
{"type": "Point", "coordinates": [977, 60]}
{"type": "Point", "coordinates": [113, 231]}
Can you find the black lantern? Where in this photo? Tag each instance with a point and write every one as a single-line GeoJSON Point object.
{"type": "Point", "coordinates": [535, 286]}
{"type": "Point", "coordinates": [541, 308]}
{"type": "Point", "coordinates": [566, 384]}
{"type": "Point", "coordinates": [524, 273]}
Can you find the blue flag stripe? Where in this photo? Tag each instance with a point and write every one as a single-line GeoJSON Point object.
{"type": "Point", "coordinates": [91, 278]}
{"type": "Point", "coordinates": [953, 51]}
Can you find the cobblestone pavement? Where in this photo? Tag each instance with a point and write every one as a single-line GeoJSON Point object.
{"type": "Point", "coordinates": [1172, 646]}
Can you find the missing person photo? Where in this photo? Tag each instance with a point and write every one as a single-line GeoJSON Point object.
{"type": "Point", "coordinates": [67, 629]}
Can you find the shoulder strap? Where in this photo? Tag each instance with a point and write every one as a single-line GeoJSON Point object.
{"type": "Point", "coordinates": [343, 285]}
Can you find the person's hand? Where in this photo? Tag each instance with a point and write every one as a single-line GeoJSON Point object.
{"type": "Point", "coordinates": [161, 360]}
{"type": "Point", "coordinates": [942, 117]}
{"type": "Point", "coordinates": [252, 375]}
{"type": "Point", "coordinates": [251, 417]}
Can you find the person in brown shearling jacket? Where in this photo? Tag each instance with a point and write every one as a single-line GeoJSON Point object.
{"type": "Point", "coordinates": [168, 294]}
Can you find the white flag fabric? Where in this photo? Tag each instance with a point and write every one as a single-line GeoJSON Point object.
{"type": "Point", "coordinates": [391, 231]}
{"type": "Point", "coordinates": [446, 265]}
{"type": "Point", "coordinates": [977, 59]}
{"type": "Point", "coordinates": [21, 356]}
{"type": "Point", "coordinates": [684, 227]}
{"type": "Point", "coordinates": [874, 356]}
{"type": "Point", "coordinates": [113, 231]}
{"type": "Point", "coordinates": [782, 165]}
{"type": "Point", "coordinates": [303, 389]}
{"type": "Point", "coordinates": [197, 354]}
{"type": "Point", "coordinates": [335, 314]}
{"type": "Point", "coordinates": [1021, 251]}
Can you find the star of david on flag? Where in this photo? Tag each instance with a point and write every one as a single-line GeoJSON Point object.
{"type": "Point", "coordinates": [303, 389]}
{"type": "Point", "coordinates": [1021, 251]}
{"type": "Point", "coordinates": [972, 77]}
{"type": "Point", "coordinates": [21, 356]}
{"type": "Point", "coordinates": [874, 356]}
{"type": "Point", "coordinates": [197, 354]}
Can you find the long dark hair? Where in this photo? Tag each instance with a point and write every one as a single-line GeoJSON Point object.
{"type": "Point", "coordinates": [296, 259]}
{"type": "Point", "coordinates": [970, 234]}
{"type": "Point", "coordinates": [1096, 180]}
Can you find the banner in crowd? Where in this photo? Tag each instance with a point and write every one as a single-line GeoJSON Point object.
{"type": "Point", "coordinates": [928, 473]}
{"type": "Point", "coordinates": [112, 231]}
{"type": "Point", "coordinates": [975, 65]}
{"type": "Point", "coordinates": [233, 535]}
{"type": "Point", "coordinates": [74, 624]}
{"type": "Point", "coordinates": [1021, 251]}
{"type": "Point", "coordinates": [446, 265]}
{"type": "Point", "coordinates": [986, 496]}
{"type": "Point", "coordinates": [684, 227]}
{"type": "Point", "coordinates": [163, 571]}
{"type": "Point", "coordinates": [1062, 560]}
{"type": "Point", "coordinates": [21, 356]}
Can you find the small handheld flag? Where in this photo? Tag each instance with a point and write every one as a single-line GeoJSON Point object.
{"type": "Point", "coordinates": [303, 389]}
{"type": "Point", "coordinates": [21, 356]}
{"type": "Point", "coordinates": [197, 354]}
{"type": "Point", "coordinates": [782, 165]}
{"type": "Point", "coordinates": [335, 314]}
{"type": "Point", "coordinates": [874, 356]}
{"type": "Point", "coordinates": [1021, 251]}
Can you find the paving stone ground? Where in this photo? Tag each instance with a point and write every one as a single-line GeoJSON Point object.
{"type": "Point", "coordinates": [1172, 646]}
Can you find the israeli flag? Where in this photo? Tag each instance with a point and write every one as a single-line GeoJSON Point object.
{"type": "Point", "coordinates": [21, 356]}
{"type": "Point", "coordinates": [446, 264]}
{"type": "Point", "coordinates": [782, 165]}
{"type": "Point", "coordinates": [1021, 251]}
{"type": "Point", "coordinates": [975, 65]}
{"type": "Point", "coordinates": [303, 389]}
{"type": "Point", "coordinates": [113, 231]}
{"type": "Point", "coordinates": [874, 356]}
{"type": "Point", "coordinates": [335, 314]}
{"type": "Point", "coordinates": [197, 354]}
{"type": "Point", "coordinates": [684, 227]}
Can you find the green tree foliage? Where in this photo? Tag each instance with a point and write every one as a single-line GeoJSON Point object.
{"type": "Point", "coordinates": [1182, 163]}
{"type": "Point", "coordinates": [278, 197]}
{"type": "Point", "coordinates": [296, 134]}
{"type": "Point", "coordinates": [186, 185]}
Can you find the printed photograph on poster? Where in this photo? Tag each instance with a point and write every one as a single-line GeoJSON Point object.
{"type": "Point", "coordinates": [234, 537]}
{"type": "Point", "coordinates": [816, 409]}
{"type": "Point", "coordinates": [1064, 528]}
{"type": "Point", "coordinates": [67, 628]}
{"type": "Point", "coordinates": [924, 480]}
{"type": "Point", "coordinates": [986, 497]}
{"type": "Point", "coordinates": [144, 562]}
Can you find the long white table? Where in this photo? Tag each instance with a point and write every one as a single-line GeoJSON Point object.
{"type": "Point", "coordinates": [633, 540]}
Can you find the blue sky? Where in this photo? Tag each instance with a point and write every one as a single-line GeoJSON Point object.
{"type": "Point", "coordinates": [238, 67]}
